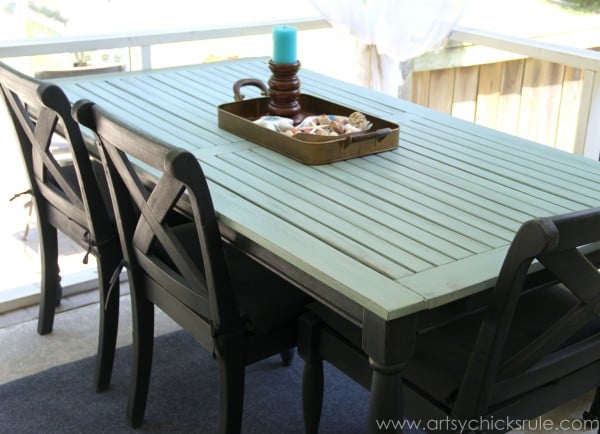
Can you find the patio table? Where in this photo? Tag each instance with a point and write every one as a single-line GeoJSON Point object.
{"type": "Point", "coordinates": [378, 239]}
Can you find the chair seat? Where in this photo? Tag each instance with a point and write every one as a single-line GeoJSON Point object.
{"type": "Point", "coordinates": [441, 359]}
{"type": "Point", "coordinates": [265, 300]}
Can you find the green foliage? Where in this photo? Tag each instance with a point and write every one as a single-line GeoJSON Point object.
{"type": "Point", "coordinates": [52, 13]}
{"type": "Point", "coordinates": [579, 5]}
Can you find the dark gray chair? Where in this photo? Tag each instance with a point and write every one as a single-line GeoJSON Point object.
{"type": "Point", "coordinates": [176, 260]}
{"type": "Point", "coordinates": [527, 351]}
{"type": "Point", "coordinates": [49, 74]}
{"type": "Point", "coordinates": [70, 195]}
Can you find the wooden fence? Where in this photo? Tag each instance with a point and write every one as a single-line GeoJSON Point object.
{"type": "Point", "coordinates": [532, 98]}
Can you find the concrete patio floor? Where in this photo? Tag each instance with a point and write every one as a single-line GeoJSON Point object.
{"type": "Point", "coordinates": [74, 336]}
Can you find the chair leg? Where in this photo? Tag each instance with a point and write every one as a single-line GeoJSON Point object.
{"type": "Point", "coordinates": [232, 372]}
{"type": "Point", "coordinates": [593, 414]}
{"type": "Point", "coordinates": [312, 395]}
{"type": "Point", "coordinates": [287, 356]}
{"type": "Point", "coordinates": [50, 284]}
{"type": "Point", "coordinates": [309, 331]}
{"type": "Point", "coordinates": [109, 320]}
{"type": "Point", "coordinates": [143, 344]}
{"type": "Point", "coordinates": [59, 289]}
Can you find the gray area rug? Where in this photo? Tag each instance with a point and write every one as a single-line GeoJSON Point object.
{"type": "Point", "coordinates": [183, 396]}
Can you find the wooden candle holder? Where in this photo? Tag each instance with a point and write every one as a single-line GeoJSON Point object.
{"type": "Point", "coordinates": [284, 91]}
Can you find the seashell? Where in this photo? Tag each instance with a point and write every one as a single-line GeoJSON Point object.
{"type": "Point", "coordinates": [329, 125]}
{"type": "Point", "coordinates": [323, 120]}
{"type": "Point", "coordinates": [336, 127]}
{"type": "Point", "coordinates": [359, 120]}
{"type": "Point", "coordinates": [351, 129]}
{"type": "Point", "coordinates": [275, 123]}
{"type": "Point", "coordinates": [285, 124]}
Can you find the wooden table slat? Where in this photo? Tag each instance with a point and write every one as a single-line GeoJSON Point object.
{"type": "Point", "coordinates": [503, 160]}
{"type": "Point", "coordinates": [392, 233]}
{"type": "Point", "coordinates": [426, 174]}
{"type": "Point", "coordinates": [501, 179]}
{"type": "Point", "coordinates": [256, 192]}
{"type": "Point", "coordinates": [342, 218]}
{"type": "Point", "coordinates": [404, 199]}
{"type": "Point", "coordinates": [478, 206]}
{"type": "Point", "coordinates": [348, 276]}
{"type": "Point", "coordinates": [381, 210]}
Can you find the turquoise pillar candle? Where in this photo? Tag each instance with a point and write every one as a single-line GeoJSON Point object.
{"type": "Point", "coordinates": [284, 44]}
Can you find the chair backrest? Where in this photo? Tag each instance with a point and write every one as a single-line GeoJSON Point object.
{"type": "Point", "coordinates": [555, 243]}
{"type": "Point", "coordinates": [39, 112]}
{"type": "Point", "coordinates": [78, 71]}
{"type": "Point", "coordinates": [146, 223]}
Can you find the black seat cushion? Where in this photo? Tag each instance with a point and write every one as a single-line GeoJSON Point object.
{"type": "Point", "coordinates": [265, 300]}
{"type": "Point", "coordinates": [442, 354]}
{"type": "Point", "coordinates": [68, 171]}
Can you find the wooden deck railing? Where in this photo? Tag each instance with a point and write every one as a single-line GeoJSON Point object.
{"type": "Point", "coordinates": [587, 136]}
{"type": "Point", "coordinates": [533, 88]}
{"type": "Point", "coordinates": [143, 39]}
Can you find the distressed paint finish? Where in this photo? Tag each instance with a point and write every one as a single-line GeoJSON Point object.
{"type": "Point", "coordinates": [392, 233]}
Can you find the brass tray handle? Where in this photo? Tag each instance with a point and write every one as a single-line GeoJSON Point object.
{"type": "Point", "coordinates": [346, 139]}
{"type": "Point", "coordinates": [376, 135]}
{"type": "Point", "coordinates": [361, 137]}
{"type": "Point", "coordinates": [237, 86]}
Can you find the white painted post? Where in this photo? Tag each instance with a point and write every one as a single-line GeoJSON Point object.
{"type": "Point", "coordinates": [584, 111]}
{"type": "Point", "coordinates": [591, 118]}
{"type": "Point", "coordinates": [146, 57]}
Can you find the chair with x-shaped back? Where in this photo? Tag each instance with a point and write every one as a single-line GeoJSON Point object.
{"type": "Point", "coordinates": [529, 350]}
{"type": "Point", "coordinates": [236, 308]}
{"type": "Point", "coordinates": [70, 195]}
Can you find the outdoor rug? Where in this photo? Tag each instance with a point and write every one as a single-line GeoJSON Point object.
{"type": "Point", "coordinates": [183, 396]}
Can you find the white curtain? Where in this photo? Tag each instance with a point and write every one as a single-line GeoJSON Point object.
{"type": "Point", "coordinates": [390, 32]}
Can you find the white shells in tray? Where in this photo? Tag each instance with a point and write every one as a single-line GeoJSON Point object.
{"type": "Point", "coordinates": [323, 125]}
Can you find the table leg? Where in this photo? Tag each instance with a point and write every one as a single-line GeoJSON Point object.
{"type": "Point", "coordinates": [385, 406]}
{"type": "Point", "coordinates": [389, 344]}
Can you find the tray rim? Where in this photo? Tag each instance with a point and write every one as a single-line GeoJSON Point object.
{"type": "Point", "coordinates": [280, 145]}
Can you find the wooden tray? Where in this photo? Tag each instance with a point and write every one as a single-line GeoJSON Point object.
{"type": "Point", "coordinates": [237, 118]}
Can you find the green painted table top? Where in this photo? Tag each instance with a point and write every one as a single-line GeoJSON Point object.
{"type": "Point", "coordinates": [396, 232]}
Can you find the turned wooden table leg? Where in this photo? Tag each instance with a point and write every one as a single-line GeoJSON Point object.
{"type": "Point", "coordinates": [389, 345]}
